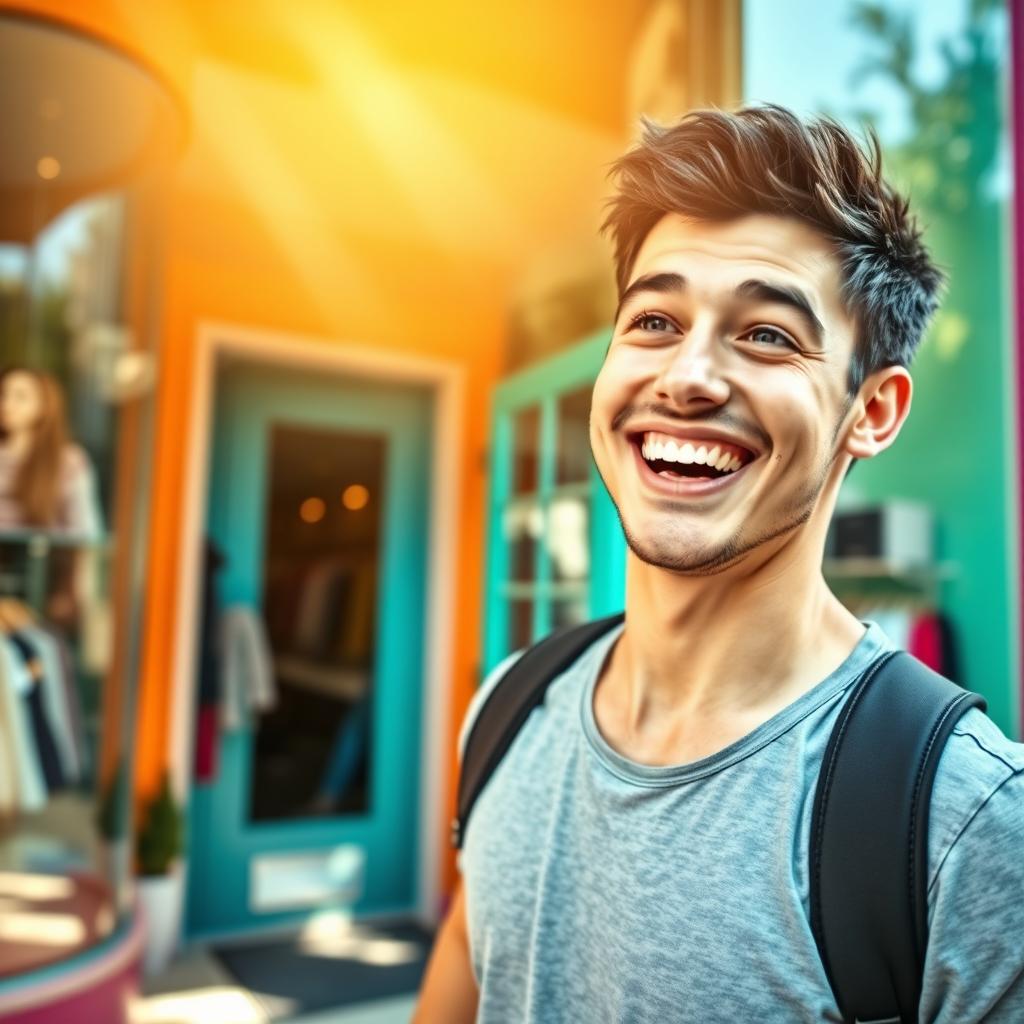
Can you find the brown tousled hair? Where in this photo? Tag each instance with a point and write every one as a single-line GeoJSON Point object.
{"type": "Point", "coordinates": [37, 487]}
{"type": "Point", "coordinates": [716, 165]}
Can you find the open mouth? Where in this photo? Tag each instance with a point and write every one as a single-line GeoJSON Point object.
{"type": "Point", "coordinates": [689, 468]}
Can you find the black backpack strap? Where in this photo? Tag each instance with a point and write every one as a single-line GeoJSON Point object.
{"type": "Point", "coordinates": [509, 704]}
{"type": "Point", "coordinates": [869, 836]}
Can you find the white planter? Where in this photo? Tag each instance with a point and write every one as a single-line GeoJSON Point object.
{"type": "Point", "coordinates": [160, 899]}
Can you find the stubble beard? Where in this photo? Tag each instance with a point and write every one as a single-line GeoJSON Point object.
{"type": "Point", "coordinates": [680, 554]}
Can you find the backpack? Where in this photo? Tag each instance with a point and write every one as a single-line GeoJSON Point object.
{"type": "Point", "coordinates": [869, 825]}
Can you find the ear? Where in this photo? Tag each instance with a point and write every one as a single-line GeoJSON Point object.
{"type": "Point", "coordinates": [879, 411]}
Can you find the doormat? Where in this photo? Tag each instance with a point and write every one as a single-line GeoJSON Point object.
{"type": "Point", "coordinates": [332, 966]}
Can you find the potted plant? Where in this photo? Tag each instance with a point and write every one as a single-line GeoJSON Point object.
{"type": "Point", "coordinates": [158, 852]}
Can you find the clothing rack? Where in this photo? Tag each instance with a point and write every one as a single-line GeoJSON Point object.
{"type": "Point", "coordinates": [906, 600]}
{"type": "Point", "coordinates": [869, 582]}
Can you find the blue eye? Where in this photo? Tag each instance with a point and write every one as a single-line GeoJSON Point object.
{"type": "Point", "coordinates": [771, 333]}
{"type": "Point", "coordinates": [648, 318]}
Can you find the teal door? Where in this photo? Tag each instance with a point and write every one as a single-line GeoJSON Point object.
{"type": "Point", "coordinates": [306, 793]}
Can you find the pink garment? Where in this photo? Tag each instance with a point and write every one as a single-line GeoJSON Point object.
{"type": "Point", "coordinates": [206, 744]}
{"type": "Point", "coordinates": [925, 641]}
{"type": "Point", "coordinates": [78, 509]}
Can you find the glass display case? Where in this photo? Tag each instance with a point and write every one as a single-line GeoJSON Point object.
{"type": "Point", "coordinates": [80, 183]}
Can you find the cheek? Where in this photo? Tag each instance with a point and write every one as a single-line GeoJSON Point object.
{"type": "Point", "coordinates": [24, 406]}
{"type": "Point", "coordinates": [622, 372]}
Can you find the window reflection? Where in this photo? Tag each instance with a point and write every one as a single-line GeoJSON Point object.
{"type": "Point", "coordinates": [568, 538]}
{"type": "Point", "coordinates": [574, 436]}
{"type": "Point", "coordinates": [312, 751]}
{"type": "Point", "coordinates": [70, 376]}
{"type": "Point", "coordinates": [526, 450]}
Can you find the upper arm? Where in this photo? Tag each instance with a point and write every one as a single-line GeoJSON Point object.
{"type": "Point", "coordinates": [974, 965]}
{"type": "Point", "coordinates": [449, 993]}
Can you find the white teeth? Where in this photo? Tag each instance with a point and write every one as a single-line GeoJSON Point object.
{"type": "Point", "coordinates": [667, 449]}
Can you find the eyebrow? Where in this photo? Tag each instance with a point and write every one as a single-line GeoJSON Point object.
{"type": "Point", "coordinates": [758, 290]}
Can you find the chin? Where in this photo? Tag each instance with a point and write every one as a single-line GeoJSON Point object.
{"type": "Point", "coordinates": [681, 554]}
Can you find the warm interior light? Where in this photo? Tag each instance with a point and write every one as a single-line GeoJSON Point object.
{"type": "Point", "coordinates": [48, 167]}
{"type": "Point", "coordinates": [312, 510]}
{"type": "Point", "coordinates": [35, 887]}
{"type": "Point", "coordinates": [42, 929]}
{"type": "Point", "coordinates": [355, 497]}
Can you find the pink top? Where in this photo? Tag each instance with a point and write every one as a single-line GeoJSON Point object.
{"type": "Point", "coordinates": [78, 508]}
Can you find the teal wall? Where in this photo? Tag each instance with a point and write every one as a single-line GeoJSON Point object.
{"type": "Point", "coordinates": [931, 78]}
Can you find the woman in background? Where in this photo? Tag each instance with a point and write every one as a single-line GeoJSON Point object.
{"type": "Point", "coordinates": [46, 480]}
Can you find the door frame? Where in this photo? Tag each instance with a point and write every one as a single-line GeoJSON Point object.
{"type": "Point", "coordinates": [215, 343]}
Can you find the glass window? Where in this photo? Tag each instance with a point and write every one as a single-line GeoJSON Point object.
{"type": "Point", "coordinates": [526, 451]}
{"type": "Point", "coordinates": [313, 752]}
{"type": "Point", "coordinates": [74, 427]}
{"type": "Point", "coordinates": [568, 612]}
{"type": "Point", "coordinates": [523, 525]}
{"type": "Point", "coordinates": [574, 458]}
{"type": "Point", "coordinates": [520, 622]}
{"type": "Point", "coordinates": [568, 538]}
{"type": "Point", "coordinates": [77, 358]}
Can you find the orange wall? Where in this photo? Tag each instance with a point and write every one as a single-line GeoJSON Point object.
{"type": "Point", "coordinates": [361, 177]}
{"type": "Point", "coordinates": [461, 324]}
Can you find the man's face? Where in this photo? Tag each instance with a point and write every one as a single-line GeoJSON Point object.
{"type": "Point", "coordinates": [728, 331]}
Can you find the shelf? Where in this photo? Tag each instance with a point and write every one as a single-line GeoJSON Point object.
{"type": "Point", "coordinates": [876, 568]}
{"type": "Point", "coordinates": [555, 590]}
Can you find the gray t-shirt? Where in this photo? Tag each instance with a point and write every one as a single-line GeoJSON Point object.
{"type": "Point", "coordinates": [603, 890]}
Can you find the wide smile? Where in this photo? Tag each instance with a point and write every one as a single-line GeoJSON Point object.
{"type": "Point", "coordinates": [679, 486]}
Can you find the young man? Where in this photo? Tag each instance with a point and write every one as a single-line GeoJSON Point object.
{"type": "Point", "coordinates": [640, 852]}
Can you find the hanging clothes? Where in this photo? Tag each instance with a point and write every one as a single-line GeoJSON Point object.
{"type": "Point", "coordinates": [247, 669]}
{"type": "Point", "coordinates": [950, 653]}
{"type": "Point", "coordinates": [15, 684]}
{"type": "Point", "coordinates": [309, 621]}
{"type": "Point", "coordinates": [355, 628]}
{"type": "Point", "coordinates": [10, 796]}
{"type": "Point", "coordinates": [56, 689]}
{"type": "Point", "coordinates": [72, 698]}
{"type": "Point", "coordinates": [209, 689]}
{"type": "Point", "coordinates": [925, 640]}
{"type": "Point", "coordinates": [42, 729]}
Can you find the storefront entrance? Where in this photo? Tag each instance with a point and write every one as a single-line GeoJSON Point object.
{"type": "Point", "coordinates": [308, 733]}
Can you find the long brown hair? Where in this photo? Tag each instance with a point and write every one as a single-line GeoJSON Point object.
{"type": "Point", "coordinates": [37, 487]}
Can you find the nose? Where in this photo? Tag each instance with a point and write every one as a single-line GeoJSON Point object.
{"type": "Point", "coordinates": [693, 368]}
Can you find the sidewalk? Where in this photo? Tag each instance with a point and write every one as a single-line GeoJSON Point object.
{"type": "Point", "coordinates": [197, 989]}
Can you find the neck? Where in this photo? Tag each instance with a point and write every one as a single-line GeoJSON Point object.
{"type": "Point", "coordinates": [741, 643]}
